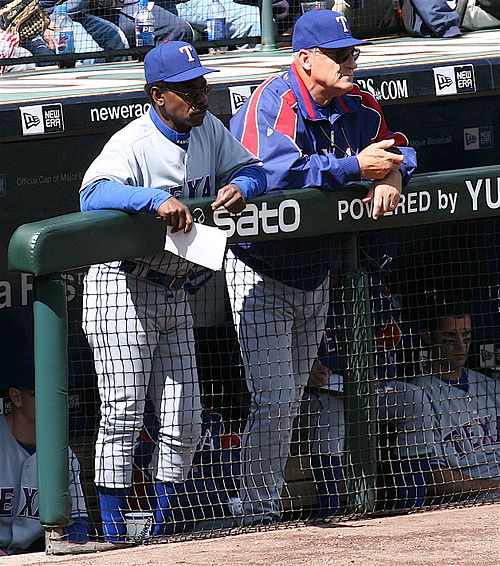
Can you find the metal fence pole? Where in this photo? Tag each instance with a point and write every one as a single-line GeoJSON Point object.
{"type": "Point", "coordinates": [267, 26]}
{"type": "Point", "coordinates": [51, 382]}
{"type": "Point", "coordinates": [360, 414]}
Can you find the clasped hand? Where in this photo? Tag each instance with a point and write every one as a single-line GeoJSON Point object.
{"type": "Point", "coordinates": [176, 214]}
{"type": "Point", "coordinates": [377, 163]}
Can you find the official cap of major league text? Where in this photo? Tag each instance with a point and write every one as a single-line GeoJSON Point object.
{"type": "Point", "coordinates": [174, 62]}
{"type": "Point", "coordinates": [323, 28]}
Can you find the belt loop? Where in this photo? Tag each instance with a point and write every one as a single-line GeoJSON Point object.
{"type": "Point", "coordinates": [157, 277]}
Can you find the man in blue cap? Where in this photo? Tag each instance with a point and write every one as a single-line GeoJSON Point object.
{"type": "Point", "coordinates": [311, 127]}
{"type": "Point", "coordinates": [136, 315]}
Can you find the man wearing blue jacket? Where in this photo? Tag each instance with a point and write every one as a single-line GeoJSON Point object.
{"type": "Point", "coordinates": [311, 127]}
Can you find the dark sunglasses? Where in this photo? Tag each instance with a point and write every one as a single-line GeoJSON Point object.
{"type": "Point", "coordinates": [341, 55]}
{"type": "Point", "coordinates": [191, 95]}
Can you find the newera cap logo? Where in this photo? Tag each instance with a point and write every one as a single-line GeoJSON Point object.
{"type": "Point", "coordinates": [30, 120]}
{"type": "Point", "coordinates": [443, 81]}
{"type": "Point", "coordinates": [470, 138]}
{"type": "Point", "coordinates": [458, 79]}
{"type": "Point", "coordinates": [42, 119]}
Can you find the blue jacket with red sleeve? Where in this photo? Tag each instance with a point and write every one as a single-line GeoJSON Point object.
{"type": "Point", "coordinates": [303, 144]}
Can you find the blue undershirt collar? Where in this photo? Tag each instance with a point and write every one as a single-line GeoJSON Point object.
{"type": "Point", "coordinates": [28, 447]}
{"type": "Point", "coordinates": [180, 139]}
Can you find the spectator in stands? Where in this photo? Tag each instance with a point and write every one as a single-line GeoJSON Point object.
{"type": "Point", "coordinates": [368, 19]}
{"type": "Point", "coordinates": [312, 127]}
{"type": "Point", "coordinates": [169, 26]}
{"type": "Point", "coordinates": [91, 32]}
{"type": "Point", "coordinates": [481, 14]}
{"type": "Point", "coordinates": [447, 419]}
{"type": "Point", "coordinates": [430, 18]}
{"type": "Point", "coordinates": [20, 528]}
{"type": "Point", "coordinates": [105, 33]}
{"type": "Point", "coordinates": [10, 48]}
{"type": "Point", "coordinates": [241, 20]}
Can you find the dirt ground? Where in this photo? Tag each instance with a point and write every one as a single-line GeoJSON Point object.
{"type": "Point", "coordinates": [465, 537]}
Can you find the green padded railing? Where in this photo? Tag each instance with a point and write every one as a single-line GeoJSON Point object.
{"type": "Point", "coordinates": [52, 246]}
{"type": "Point", "coordinates": [83, 238]}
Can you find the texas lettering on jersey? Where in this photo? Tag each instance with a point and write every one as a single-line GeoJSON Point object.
{"type": "Point", "coordinates": [476, 435]}
{"type": "Point", "coordinates": [28, 504]}
{"type": "Point", "coordinates": [199, 187]}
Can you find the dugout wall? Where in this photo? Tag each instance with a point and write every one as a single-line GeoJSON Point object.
{"type": "Point", "coordinates": [430, 250]}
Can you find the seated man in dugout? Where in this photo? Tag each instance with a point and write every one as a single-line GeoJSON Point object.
{"type": "Point", "coordinates": [20, 527]}
{"type": "Point", "coordinates": [447, 419]}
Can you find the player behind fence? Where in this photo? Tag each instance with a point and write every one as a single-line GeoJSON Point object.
{"type": "Point", "coordinates": [312, 127]}
{"type": "Point", "coordinates": [448, 419]}
{"type": "Point", "coordinates": [322, 408]}
{"type": "Point", "coordinates": [136, 315]}
{"type": "Point", "coordinates": [20, 527]}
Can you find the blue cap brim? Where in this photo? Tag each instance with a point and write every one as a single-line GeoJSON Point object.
{"type": "Point", "coordinates": [189, 75]}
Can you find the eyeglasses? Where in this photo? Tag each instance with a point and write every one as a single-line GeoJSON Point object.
{"type": "Point", "coordinates": [340, 56]}
{"type": "Point", "coordinates": [191, 95]}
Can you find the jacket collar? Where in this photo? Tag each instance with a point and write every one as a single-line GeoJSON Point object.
{"type": "Point", "coordinates": [309, 109]}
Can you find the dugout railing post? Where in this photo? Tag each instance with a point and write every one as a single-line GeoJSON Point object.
{"type": "Point", "coordinates": [51, 398]}
{"type": "Point", "coordinates": [359, 400]}
{"type": "Point", "coordinates": [267, 26]}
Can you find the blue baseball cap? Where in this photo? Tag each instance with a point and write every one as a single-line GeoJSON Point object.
{"type": "Point", "coordinates": [21, 375]}
{"type": "Point", "coordinates": [174, 62]}
{"type": "Point", "coordinates": [16, 355]}
{"type": "Point", "coordinates": [323, 28]}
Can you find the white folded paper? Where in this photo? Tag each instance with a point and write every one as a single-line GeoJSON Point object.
{"type": "Point", "coordinates": [203, 245]}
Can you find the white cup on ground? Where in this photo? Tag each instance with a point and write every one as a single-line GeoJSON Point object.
{"type": "Point", "coordinates": [317, 5]}
{"type": "Point", "coordinates": [139, 525]}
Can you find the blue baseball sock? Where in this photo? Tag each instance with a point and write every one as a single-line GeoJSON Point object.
{"type": "Point", "coordinates": [327, 472]}
{"type": "Point", "coordinates": [162, 511]}
{"type": "Point", "coordinates": [79, 530]}
{"type": "Point", "coordinates": [113, 502]}
{"type": "Point", "coordinates": [411, 483]}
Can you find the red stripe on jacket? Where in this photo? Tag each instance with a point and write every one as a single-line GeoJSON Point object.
{"type": "Point", "coordinates": [286, 119]}
{"type": "Point", "coordinates": [250, 134]}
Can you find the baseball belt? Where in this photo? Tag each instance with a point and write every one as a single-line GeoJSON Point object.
{"type": "Point", "coordinates": [156, 277]}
